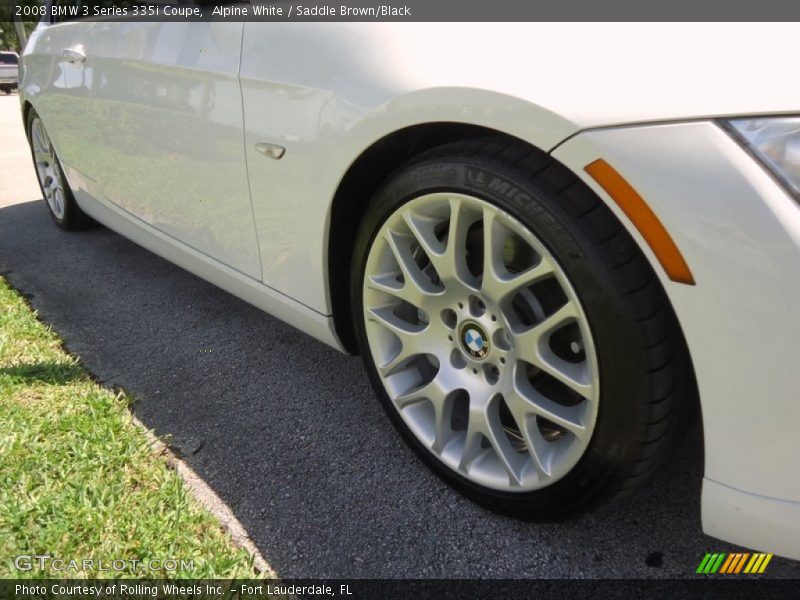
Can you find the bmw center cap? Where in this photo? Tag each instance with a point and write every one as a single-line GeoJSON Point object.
{"type": "Point", "coordinates": [474, 340]}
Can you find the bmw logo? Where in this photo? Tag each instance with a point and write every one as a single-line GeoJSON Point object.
{"type": "Point", "coordinates": [474, 340]}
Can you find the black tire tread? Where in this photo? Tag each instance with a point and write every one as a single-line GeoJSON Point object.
{"type": "Point", "coordinates": [673, 391]}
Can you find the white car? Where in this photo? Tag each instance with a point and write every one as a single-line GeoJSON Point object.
{"type": "Point", "coordinates": [550, 243]}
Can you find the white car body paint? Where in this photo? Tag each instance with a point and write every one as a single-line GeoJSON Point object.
{"type": "Point", "coordinates": [174, 88]}
{"type": "Point", "coordinates": [206, 93]}
{"type": "Point", "coordinates": [740, 233]}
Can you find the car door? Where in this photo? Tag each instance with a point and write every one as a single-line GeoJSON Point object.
{"type": "Point", "coordinates": [285, 86]}
{"type": "Point", "coordinates": [53, 77]}
{"type": "Point", "coordinates": [164, 138]}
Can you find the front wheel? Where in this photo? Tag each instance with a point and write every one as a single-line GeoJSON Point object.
{"type": "Point", "coordinates": [513, 331]}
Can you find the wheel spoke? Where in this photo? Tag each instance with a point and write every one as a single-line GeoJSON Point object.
{"type": "Point", "coordinates": [41, 157]}
{"type": "Point", "coordinates": [49, 188]}
{"type": "Point", "coordinates": [492, 249]}
{"type": "Point", "coordinates": [570, 374]}
{"type": "Point", "coordinates": [41, 140]}
{"type": "Point", "coordinates": [503, 286]}
{"type": "Point", "coordinates": [59, 202]}
{"type": "Point", "coordinates": [426, 392]}
{"type": "Point", "coordinates": [534, 442]}
{"type": "Point", "coordinates": [417, 287]}
{"type": "Point", "coordinates": [540, 455]}
{"type": "Point", "coordinates": [401, 328]}
{"type": "Point", "coordinates": [455, 259]}
{"type": "Point", "coordinates": [391, 366]}
{"type": "Point", "coordinates": [38, 140]}
{"type": "Point", "coordinates": [511, 460]}
{"type": "Point", "coordinates": [439, 393]}
{"type": "Point", "coordinates": [422, 229]}
{"type": "Point", "coordinates": [472, 440]}
{"type": "Point", "coordinates": [484, 423]}
{"type": "Point", "coordinates": [449, 258]}
{"type": "Point", "coordinates": [436, 390]}
{"type": "Point", "coordinates": [498, 282]}
{"type": "Point", "coordinates": [524, 402]}
{"type": "Point", "coordinates": [401, 291]}
{"type": "Point", "coordinates": [532, 347]}
{"type": "Point", "coordinates": [443, 433]}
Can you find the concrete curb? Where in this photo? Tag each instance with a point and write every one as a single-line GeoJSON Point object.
{"type": "Point", "coordinates": [208, 498]}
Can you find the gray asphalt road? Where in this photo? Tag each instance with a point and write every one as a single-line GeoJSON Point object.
{"type": "Point", "coordinates": [286, 430]}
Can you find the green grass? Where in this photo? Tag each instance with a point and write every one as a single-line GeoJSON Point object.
{"type": "Point", "coordinates": [78, 479]}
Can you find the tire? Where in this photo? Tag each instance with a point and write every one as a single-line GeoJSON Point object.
{"type": "Point", "coordinates": [56, 193]}
{"type": "Point", "coordinates": [625, 336]}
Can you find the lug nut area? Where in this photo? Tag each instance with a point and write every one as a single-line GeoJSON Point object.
{"type": "Point", "coordinates": [479, 342]}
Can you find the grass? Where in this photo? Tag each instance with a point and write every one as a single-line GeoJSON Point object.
{"type": "Point", "coordinates": [79, 480]}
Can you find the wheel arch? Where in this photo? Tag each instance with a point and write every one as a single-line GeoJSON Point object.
{"type": "Point", "coordinates": [26, 109]}
{"type": "Point", "coordinates": [360, 182]}
{"type": "Point", "coordinates": [363, 178]}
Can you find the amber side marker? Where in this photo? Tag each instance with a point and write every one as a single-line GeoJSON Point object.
{"type": "Point", "coordinates": [643, 218]}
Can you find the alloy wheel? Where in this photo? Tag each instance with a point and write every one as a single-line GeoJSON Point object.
{"type": "Point", "coordinates": [480, 342]}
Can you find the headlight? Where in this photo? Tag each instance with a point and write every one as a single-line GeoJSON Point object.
{"type": "Point", "coordinates": [776, 143]}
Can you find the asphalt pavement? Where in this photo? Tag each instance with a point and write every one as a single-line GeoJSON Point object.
{"type": "Point", "coordinates": [287, 431]}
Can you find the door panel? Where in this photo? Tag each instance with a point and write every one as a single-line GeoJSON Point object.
{"type": "Point", "coordinates": [285, 86]}
{"type": "Point", "coordinates": [165, 139]}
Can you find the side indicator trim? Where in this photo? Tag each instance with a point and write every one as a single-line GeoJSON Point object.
{"type": "Point", "coordinates": [643, 218]}
{"type": "Point", "coordinates": [271, 150]}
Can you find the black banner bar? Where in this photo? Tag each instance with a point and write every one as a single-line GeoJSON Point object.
{"type": "Point", "coordinates": [411, 10]}
{"type": "Point", "coordinates": [731, 587]}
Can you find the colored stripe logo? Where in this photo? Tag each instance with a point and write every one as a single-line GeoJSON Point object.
{"type": "Point", "coordinates": [734, 563]}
